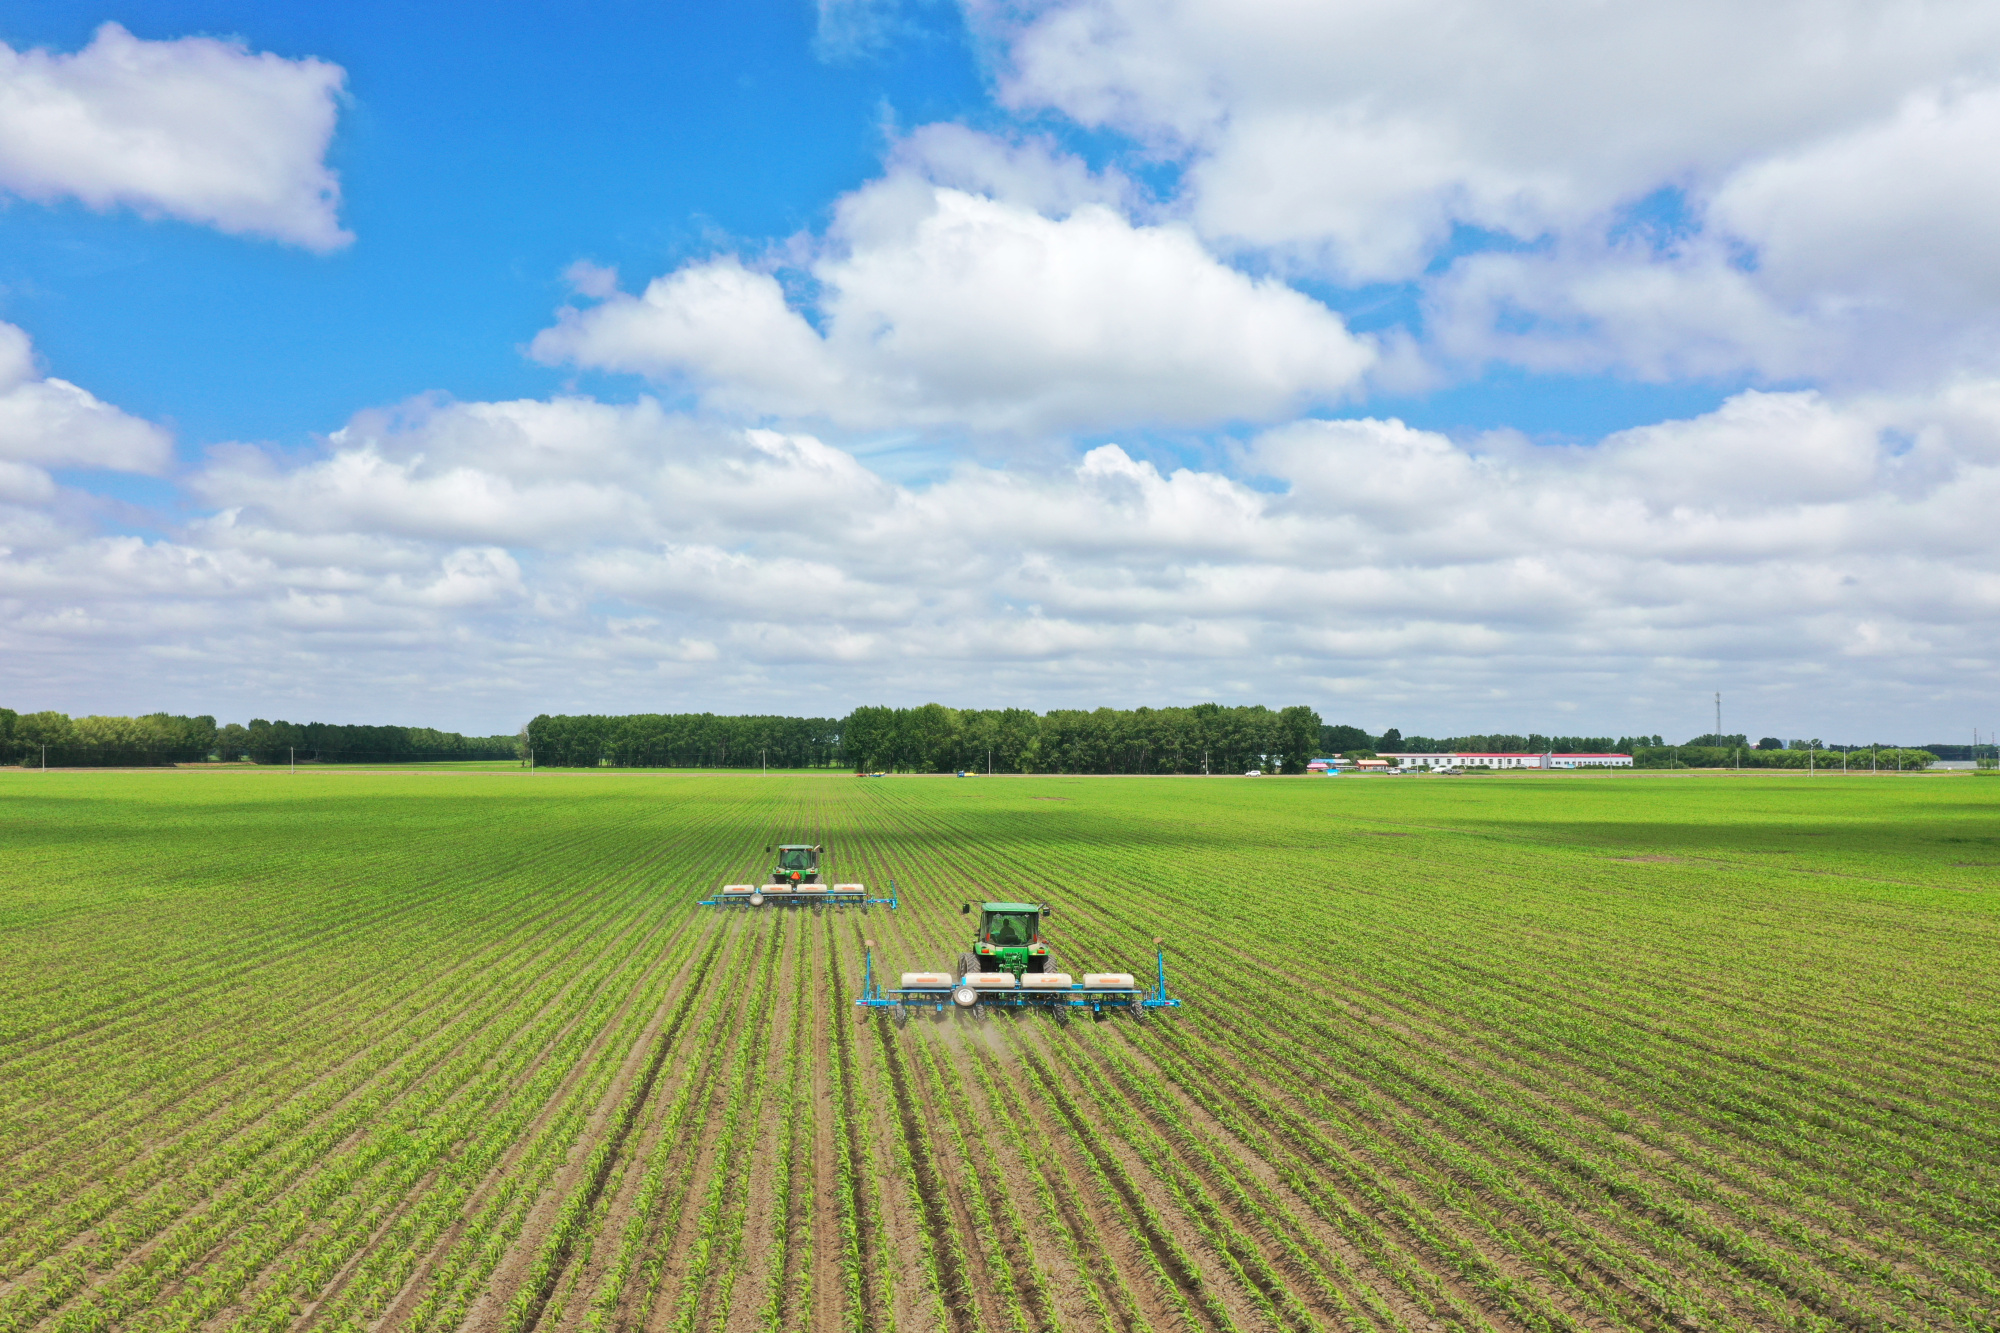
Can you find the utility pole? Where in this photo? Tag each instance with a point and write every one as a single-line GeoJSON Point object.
{"type": "Point", "coordinates": [989, 761]}
{"type": "Point", "coordinates": [764, 759]}
{"type": "Point", "coordinates": [1718, 714]}
{"type": "Point", "coordinates": [45, 756]}
{"type": "Point", "coordinates": [293, 750]}
{"type": "Point", "coordinates": [1204, 763]}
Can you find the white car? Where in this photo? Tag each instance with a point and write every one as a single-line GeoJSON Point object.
{"type": "Point", "coordinates": [1254, 773]}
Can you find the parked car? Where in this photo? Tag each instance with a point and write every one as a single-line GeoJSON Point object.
{"type": "Point", "coordinates": [1254, 773]}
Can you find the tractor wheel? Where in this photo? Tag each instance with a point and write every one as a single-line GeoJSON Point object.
{"type": "Point", "coordinates": [967, 963]}
{"type": "Point", "coordinates": [902, 1018]}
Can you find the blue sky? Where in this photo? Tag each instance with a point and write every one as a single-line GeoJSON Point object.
{"type": "Point", "coordinates": [1092, 351]}
{"type": "Point", "coordinates": [481, 150]}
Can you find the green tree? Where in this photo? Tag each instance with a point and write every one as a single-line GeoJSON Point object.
{"type": "Point", "coordinates": [32, 731]}
{"type": "Point", "coordinates": [1339, 738]}
{"type": "Point", "coordinates": [1298, 736]}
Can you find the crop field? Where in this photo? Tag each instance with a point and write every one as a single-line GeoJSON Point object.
{"type": "Point", "coordinates": [439, 1051]}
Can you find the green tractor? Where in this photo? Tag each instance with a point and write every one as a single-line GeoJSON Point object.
{"type": "Point", "coordinates": [798, 863]}
{"type": "Point", "coordinates": [1009, 940]}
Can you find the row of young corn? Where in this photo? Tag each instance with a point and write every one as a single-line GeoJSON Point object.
{"type": "Point", "coordinates": [179, 1205]}
{"type": "Point", "coordinates": [1546, 1225]}
{"type": "Point", "coordinates": [81, 1182]}
{"type": "Point", "coordinates": [676, 1165]}
{"type": "Point", "coordinates": [1208, 1198]}
{"type": "Point", "coordinates": [1736, 1252]}
{"type": "Point", "coordinates": [1074, 1185]}
{"type": "Point", "coordinates": [310, 1215]}
{"type": "Point", "coordinates": [1419, 1104]}
{"type": "Point", "coordinates": [184, 1036]}
{"type": "Point", "coordinates": [562, 1254]}
{"type": "Point", "coordinates": [1185, 1280]}
{"type": "Point", "coordinates": [666, 1171]}
{"type": "Point", "coordinates": [307, 1196]}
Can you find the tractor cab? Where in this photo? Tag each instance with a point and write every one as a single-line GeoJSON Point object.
{"type": "Point", "coordinates": [797, 863]}
{"type": "Point", "coordinates": [1009, 939]}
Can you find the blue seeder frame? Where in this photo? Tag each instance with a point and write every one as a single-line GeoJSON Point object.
{"type": "Point", "coordinates": [827, 899]}
{"type": "Point", "coordinates": [1098, 1001]}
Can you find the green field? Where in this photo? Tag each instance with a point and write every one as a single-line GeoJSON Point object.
{"type": "Point", "coordinates": [455, 1050]}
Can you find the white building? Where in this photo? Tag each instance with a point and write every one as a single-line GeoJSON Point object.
{"type": "Point", "coordinates": [1496, 759]}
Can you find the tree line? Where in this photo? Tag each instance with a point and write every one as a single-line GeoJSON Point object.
{"type": "Point", "coordinates": [1813, 756]}
{"type": "Point", "coordinates": [1711, 751]}
{"type": "Point", "coordinates": [281, 742]}
{"type": "Point", "coordinates": [159, 739]}
{"type": "Point", "coordinates": [682, 740]}
{"type": "Point", "coordinates": [1353, 742]}
{"type": "Point", "coordinates": [154, 740]}
{"type": "Point", "coordinates": [932, 738]}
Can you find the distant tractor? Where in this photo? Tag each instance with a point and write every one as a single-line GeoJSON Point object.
{"type": "Point", "coordinates": [1011, 970]}
{"type": "Point", "coordinates": [795, 882]}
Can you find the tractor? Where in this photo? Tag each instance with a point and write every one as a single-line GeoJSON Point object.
{"type": "Point", "coordinates": [795, 882]}
{"type": "Point", "coordinates": [1009, 939]}
{"type": "Point", "coordinates": [798, 863]}
{"type": "Point", "coordinates": [1010, 971]}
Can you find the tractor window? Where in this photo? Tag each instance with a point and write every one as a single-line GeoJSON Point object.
{"type": "Point", "coordinates": [1011, 929]}
{"type": "Point", "coordinates": [796, 858]}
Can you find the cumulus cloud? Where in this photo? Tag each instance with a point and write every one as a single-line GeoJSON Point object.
{"type": "Point", "coordinates": [198, 129]}
{"type": "Point", "coordinates": [1831, 165]}
{"type": "Point", "coordinates": [575, 554]}
{"type": "Point", "coordinates": [1796, 192]}
{"type": "Point", "coordinates": [939, 307]}
{"type": "Point", "coordinates": [48, 422]}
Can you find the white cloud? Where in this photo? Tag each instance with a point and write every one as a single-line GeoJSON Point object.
{"type": "Point", "coordinates": [52, 423]}
{"type": "Point", "coordinates": [198, 129]}
{"type": "Point", "coordinates": [1805, 553]}
{"type": "Point", "coordinates": [1894, 213]}
{"type": "Point", "coordinates": [849, 29]}
{"type": "Point", "coordinates": [1031, 173]}
{"type": "Point", "coordinates": [1833, 162]}
{"type": "Point", "coordinates": [943, 308]}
